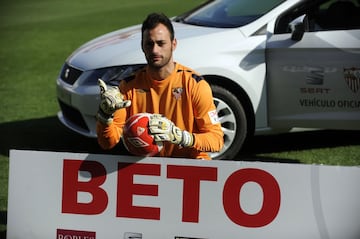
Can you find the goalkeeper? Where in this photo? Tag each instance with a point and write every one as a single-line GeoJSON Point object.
{"type": "Point", "coordinates": [184, 115]}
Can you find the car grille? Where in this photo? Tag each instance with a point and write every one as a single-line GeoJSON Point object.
{"type": "Point", "coordinates": [70, 74]}
{"type": "Point", "coordinates": [73, 115]}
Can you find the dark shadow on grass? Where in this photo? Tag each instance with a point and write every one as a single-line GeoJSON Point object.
{"type": "Point", "coordinates": [47, 134]}
{"type": "Point", "coordinates": [2, 234]}
{"type": "Point", "coordinates": [3, 221]}
{"type": "Point", "coordinates": [297, 141]}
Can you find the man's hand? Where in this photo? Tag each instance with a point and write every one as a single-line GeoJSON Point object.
{"type": "Point", "coordinates": [110, 100]}
{"type": "Point", "coordinates": [164, 129]}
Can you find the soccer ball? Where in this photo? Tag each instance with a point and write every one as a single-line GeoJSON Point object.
{"type": "Point", "coordinates": [136, 136]}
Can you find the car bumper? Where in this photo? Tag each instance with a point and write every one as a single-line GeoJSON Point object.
{"type": "Point", "coordinates": [78, 106]}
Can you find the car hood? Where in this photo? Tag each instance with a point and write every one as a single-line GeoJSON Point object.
{"type": "Point", "coordinates": [123, 47]}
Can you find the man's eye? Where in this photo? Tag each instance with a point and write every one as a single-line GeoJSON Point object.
{"type": "Point", "coordinates": [150, 44]}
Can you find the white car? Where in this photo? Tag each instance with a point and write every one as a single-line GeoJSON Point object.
{"type": "Point", "coordinates": [273, 65]}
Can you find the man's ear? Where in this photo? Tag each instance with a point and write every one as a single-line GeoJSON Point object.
{"type": "Point", "coordinates": [174, 44]}
{"type": "Point", "coordinates": [142, 46]}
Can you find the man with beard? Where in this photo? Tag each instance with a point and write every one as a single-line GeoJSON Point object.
{"type": "Point", "coordinates": [183, 117]}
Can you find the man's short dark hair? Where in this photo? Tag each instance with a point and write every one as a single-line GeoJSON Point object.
{"type": "Point", "coordinates": [154, 19]}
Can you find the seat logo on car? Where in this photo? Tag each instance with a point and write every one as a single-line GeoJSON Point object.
{"type": "Point", "coordinates": [352, 78]}
{"type": "Point", "coordinates": [67, 72]}
{"type": "Point", "coordinates": [315, 76]}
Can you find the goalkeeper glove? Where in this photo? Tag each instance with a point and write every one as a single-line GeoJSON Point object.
{"type": "Point", "coordinates": [110, 100]}
{"type": "Point", "coordinates": [164, 129]}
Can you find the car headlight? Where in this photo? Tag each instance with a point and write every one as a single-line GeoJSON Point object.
{"type": "Point", "coordinates": [110, 75]}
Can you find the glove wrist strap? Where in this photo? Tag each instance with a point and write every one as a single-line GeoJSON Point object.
{"type": "Point", "coordinates": [187, 139]}
{"type": "Point", "coordinates": [103, 117]}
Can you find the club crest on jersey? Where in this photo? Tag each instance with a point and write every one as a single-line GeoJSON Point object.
{"type": "Point", "coordinates": [177, 92]}
{"type": "Point", "coordinates": [214, 118]}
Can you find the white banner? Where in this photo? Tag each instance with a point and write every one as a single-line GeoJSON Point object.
{"type": "Point", "coordinates": [87, 196]}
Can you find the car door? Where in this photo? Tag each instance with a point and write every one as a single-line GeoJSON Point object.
{"type": "Point", "coordinates": [314, 79]}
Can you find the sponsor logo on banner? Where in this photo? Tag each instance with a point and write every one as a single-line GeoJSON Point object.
{"type": "Point", "coordinates": [352, 78]}
{"type": "Point", "coordinates": [74, 234]}
{"type": "Point", "coordinates": [188, 238]}
{"type": "Point", "coordinates": [132, 235]}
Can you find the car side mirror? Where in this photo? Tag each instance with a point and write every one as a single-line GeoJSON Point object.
{"type": "Point", "coordinates": [297, 27]}
{"type": "Point", "coordinates": [298, 32]}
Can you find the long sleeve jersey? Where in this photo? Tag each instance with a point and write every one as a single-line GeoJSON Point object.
{"type": "Point", "coordinates": [184, 97]}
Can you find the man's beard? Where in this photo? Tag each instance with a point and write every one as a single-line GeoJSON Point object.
{"type": "Point", "coordinates": [158, 64]}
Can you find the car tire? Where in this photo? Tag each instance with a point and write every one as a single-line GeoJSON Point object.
{"type": "Point", "coordinates": [233, 122]}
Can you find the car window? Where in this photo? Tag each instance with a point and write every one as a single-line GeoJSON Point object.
{"type": "Point", "coordinates": [336, 15]}
{"type": "Point", "coordinates": [323, 15]}
{"type": "Point", "coordinates": [228, 13]}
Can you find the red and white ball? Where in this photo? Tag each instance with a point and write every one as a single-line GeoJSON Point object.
{"type": "Point", "coordinates": [136, 136]}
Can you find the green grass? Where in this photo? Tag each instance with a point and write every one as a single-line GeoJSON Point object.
{"type": "Point", "coordinates": [36, 38]}
{"type": "Point", "coordinates": [342, 155]}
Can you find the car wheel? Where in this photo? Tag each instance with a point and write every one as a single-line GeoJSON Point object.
{"type": "Point", "coordinates": [233, 122]}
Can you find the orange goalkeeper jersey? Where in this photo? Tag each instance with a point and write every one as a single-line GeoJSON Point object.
{"type": "Point", "coordinates": [184, 97]}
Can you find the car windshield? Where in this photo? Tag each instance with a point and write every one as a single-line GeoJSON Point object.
{"type": "Point", "coordinates": [227, 13]}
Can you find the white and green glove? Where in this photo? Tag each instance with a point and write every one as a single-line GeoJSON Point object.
{"type": "Point", "coordinates": [164, 129]}
{"type": "Point", "coordinates": [110, 100]}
